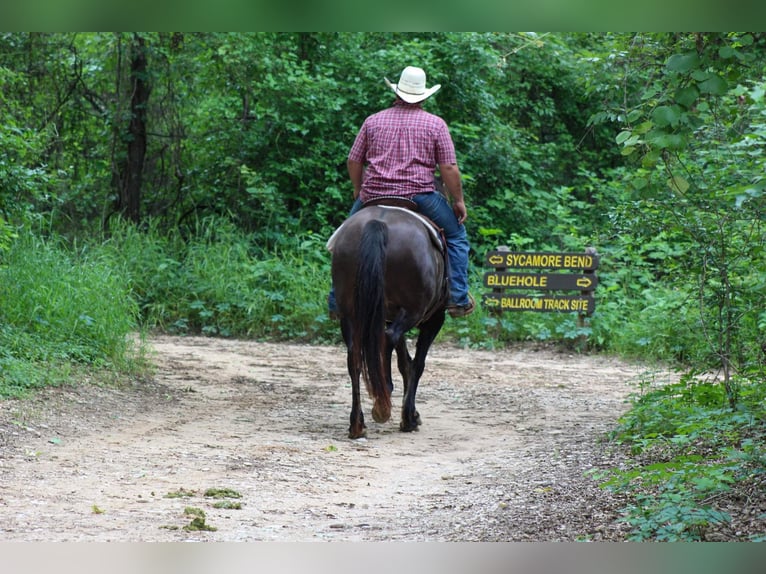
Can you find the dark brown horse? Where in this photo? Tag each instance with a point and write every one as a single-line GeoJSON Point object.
{"type": "Point", "coordinates": [388, 270]}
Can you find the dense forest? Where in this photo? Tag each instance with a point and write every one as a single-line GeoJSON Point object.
{"type": "Point", "coordinates": [187, 182]}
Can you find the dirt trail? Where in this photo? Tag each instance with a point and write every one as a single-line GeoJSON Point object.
{"type": "Point", "coordinates": [506, 437]}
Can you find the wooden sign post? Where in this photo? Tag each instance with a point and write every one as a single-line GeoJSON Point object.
{"type": "Point", "coordinates": [543, 277]}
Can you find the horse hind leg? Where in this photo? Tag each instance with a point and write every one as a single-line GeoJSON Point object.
{"type": "Point", "coordinates": [404, 362]}
{"type": "Point", "coordinates": [428, 331]}
{"type": "Point", "coordinates": [409, 422]}
{"type": "Point", "coordinates": [357, 428]}
{"type": "Point", "coordinates": [396, 335]}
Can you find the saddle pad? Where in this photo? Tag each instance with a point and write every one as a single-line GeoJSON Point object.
{"type": "Point", "coordinates": [435, 236]}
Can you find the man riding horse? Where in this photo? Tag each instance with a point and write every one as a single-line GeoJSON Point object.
{"type": "Point", "coordinates": [395, 155]}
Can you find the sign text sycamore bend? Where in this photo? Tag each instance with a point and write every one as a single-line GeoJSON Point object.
{"type": "Point", "coordinates": [516, 260]}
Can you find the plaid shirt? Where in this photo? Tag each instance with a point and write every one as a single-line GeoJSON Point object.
{"type": "Point", "coordinates": [401, 147]}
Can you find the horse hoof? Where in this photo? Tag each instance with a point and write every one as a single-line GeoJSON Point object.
{"type": "Point", "coordinates": [410, 421]}
{"type": "Point", "coordinates": [357, 433]}
{"type": "Point", "coordinates": [409, 427]}
{"type": "Point", "coordinates": [380, 415]}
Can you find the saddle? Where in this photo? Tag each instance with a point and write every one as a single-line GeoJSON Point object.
{"type": "Point", "coordinates": [436, 232]}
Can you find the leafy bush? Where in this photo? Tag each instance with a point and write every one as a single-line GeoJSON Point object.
{"type": "Point", "coordinates": [689, 448]}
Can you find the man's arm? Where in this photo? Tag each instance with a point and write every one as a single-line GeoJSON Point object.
{"type": "Point", "coordinates": [355, 170]}
{"type": "Point", "coordinates": [451, 178]}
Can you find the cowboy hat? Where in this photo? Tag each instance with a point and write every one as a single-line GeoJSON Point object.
{"type": "Point", "coordinates": [412, 85]}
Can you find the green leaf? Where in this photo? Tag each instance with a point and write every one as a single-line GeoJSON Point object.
{"type": "Point", "coordinates": [714, 85]}
{"type": "Point", "coordinates": [622, 136]}
{"type": "Point", "coordinates": [666, 115]}
{"type": "Point", "coordinates": [706, 484]}
{"type": "Point", "coordinates": [650, 159]}
{"type": "Point", "coordinates": [222, 493]}
{"type": "Point", "coordinates": [662, 140]}
{"type": "Point", "coordinates": [644, 127]}
{"type": "Point", "coordinates": [687, 96]}
{"type": "Point", "coordinates": [746, 40]}
{"type": "Point", "coordinates": [650, 92]}
{"type": "Point", "coordinates": [678, 183]}
{"type": "Point", "coordinates": [683, 63]}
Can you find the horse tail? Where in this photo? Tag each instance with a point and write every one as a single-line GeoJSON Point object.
{"type": "Point", "coordinates": [370, 316]}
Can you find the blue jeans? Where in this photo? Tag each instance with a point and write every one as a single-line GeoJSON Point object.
{"type": "Point", "coordinates": [435, 207]}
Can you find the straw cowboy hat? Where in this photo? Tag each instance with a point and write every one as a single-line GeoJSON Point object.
{"type": "Point", "coordinates": [412, 85]}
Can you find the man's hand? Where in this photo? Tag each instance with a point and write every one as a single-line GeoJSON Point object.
{"type": "Point", "coordinates": [460, 211]}
{"type": "Point", "coordinates": [451, 178]}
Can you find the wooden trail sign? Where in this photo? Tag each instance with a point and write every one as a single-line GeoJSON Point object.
{"type": "Point", "coordinates": [545, 279]}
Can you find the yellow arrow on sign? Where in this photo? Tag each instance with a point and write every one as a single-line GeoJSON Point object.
{"type": "Point", "coordinates": [584, 282]}
{"type": "Point", "coordinates": [496, 259]}
{"type": "Point", "coordinates": [491, 302]}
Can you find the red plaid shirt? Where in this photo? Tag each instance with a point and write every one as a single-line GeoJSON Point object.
{"type": "Point", "coordinates": [401, 147]}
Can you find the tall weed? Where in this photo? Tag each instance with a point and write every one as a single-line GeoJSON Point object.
{"type": "Point", "coordinates": [218, 281]}
{"type": "Point", "coordinates": [58, 307]}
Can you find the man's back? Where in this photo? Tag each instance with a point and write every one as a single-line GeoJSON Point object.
{"type": "Point", "coordinates": [401, 147]}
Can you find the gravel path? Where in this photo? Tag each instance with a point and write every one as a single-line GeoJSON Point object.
{"type": "Point", "coordinates": [506, 439]}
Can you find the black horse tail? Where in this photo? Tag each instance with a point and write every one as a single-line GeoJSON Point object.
{"type": "Point", "coordinates": [370, 316]}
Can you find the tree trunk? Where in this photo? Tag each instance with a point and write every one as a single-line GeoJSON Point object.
{"type": "Point", "coordinates": [132, 170]}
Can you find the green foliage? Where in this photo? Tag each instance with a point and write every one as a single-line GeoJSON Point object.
{"type": "Point", "coordinates": [217, 282]}
{"type": "Point", "coordinates": [60, 308]}
{"type": "Point", "coordinates": [7, 235]}
{"type": "Point", "coordinates": [21, 176]}
{"type": "Point", "coordinates": [690, 450]}
{"type": "Point", "coordinates": [692, 203]}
